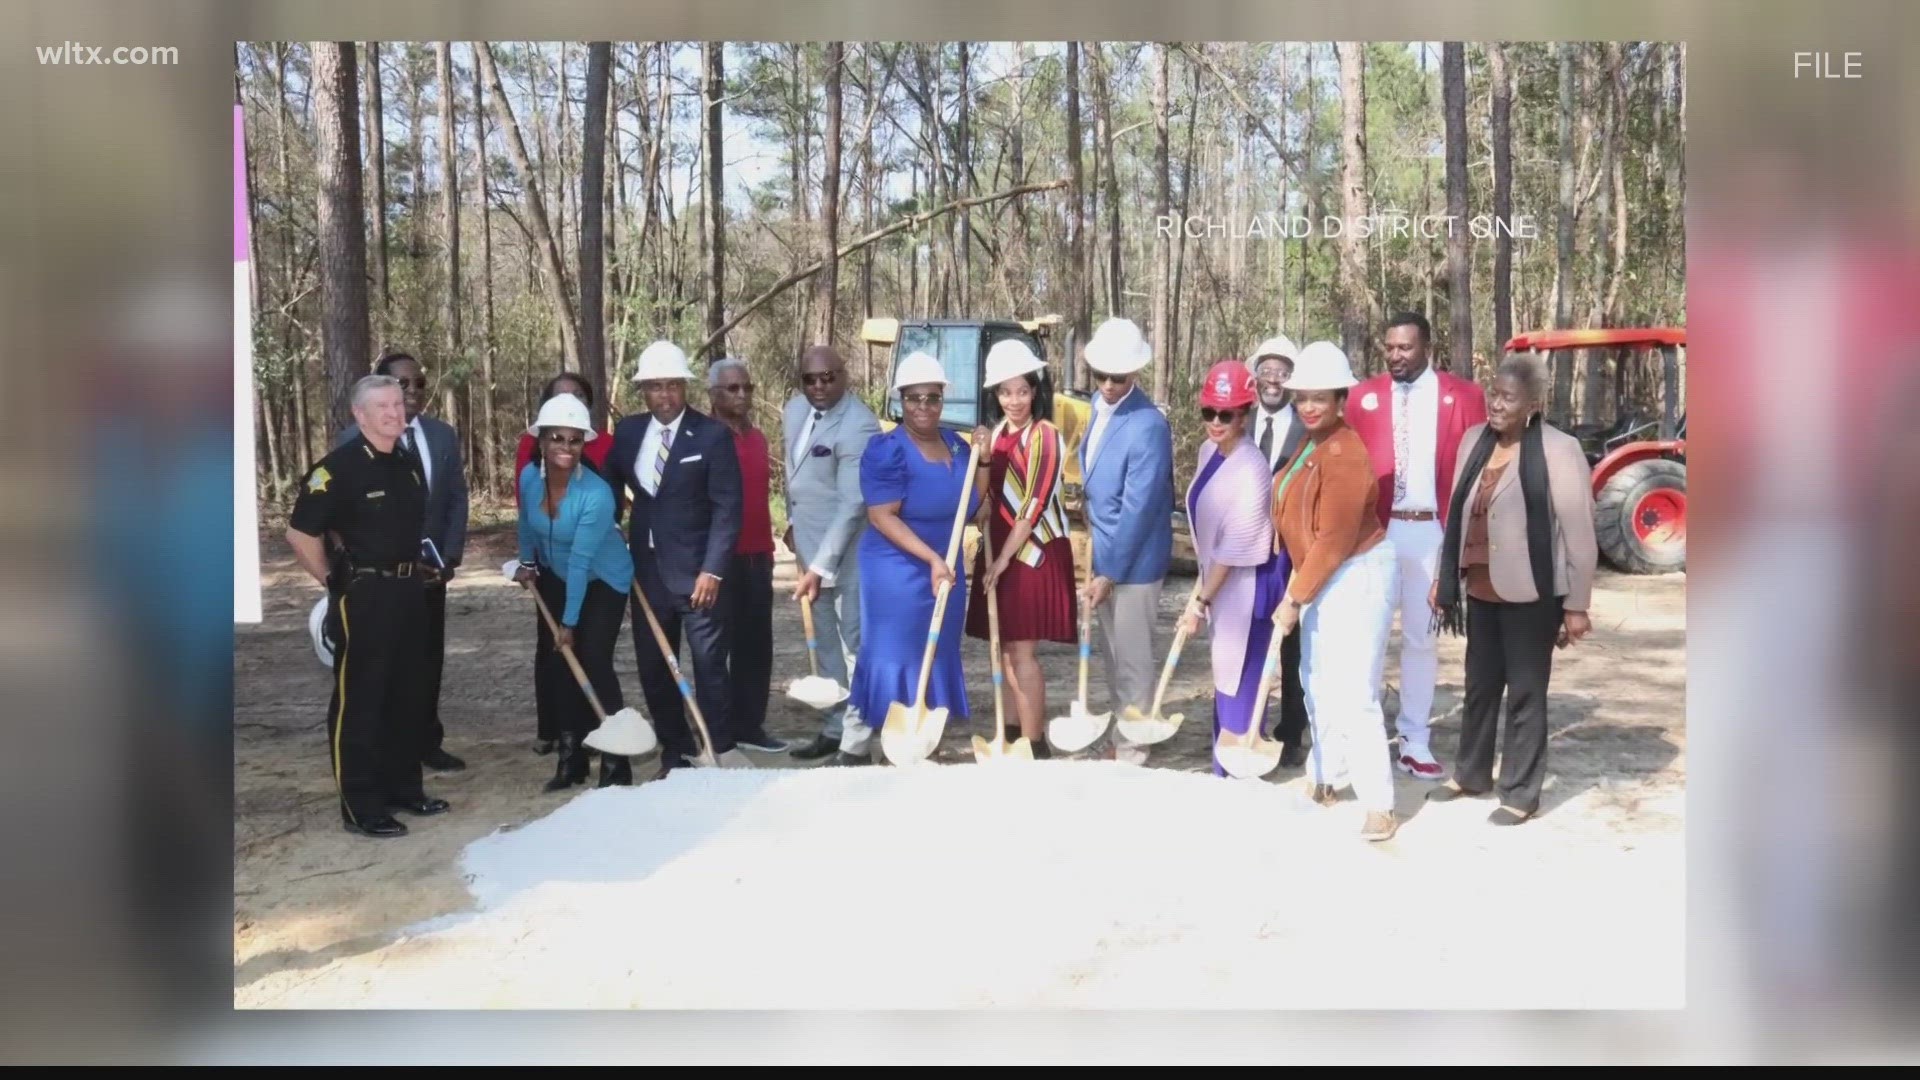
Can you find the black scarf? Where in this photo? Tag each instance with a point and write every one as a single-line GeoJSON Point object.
{"type": "Point", "coordinates": [1451, 616]}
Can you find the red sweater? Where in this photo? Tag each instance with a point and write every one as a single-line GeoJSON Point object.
{"type": "Point", "coordinates": [756, 522]}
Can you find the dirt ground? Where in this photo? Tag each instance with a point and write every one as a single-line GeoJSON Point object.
{"type": "Point", "coordinates": [307, 893]}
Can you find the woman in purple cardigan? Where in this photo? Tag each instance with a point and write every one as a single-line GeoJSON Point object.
{"type": "Point", "coordinates": [1241, 578]}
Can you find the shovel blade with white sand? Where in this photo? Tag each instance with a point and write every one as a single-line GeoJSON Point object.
{"type": "Point", "coordinates": [625, 733]}
{"type": "Point", "coordinates": [1078, 729]}
{"type": "Point", "coordinates": [911, 733]}
{"type": "Point", "coordinates": [815, 690]}
{"type": "Point", "coordinates": [1145, 729]}
{"type": "Point", "coordinates": [1251, 755]}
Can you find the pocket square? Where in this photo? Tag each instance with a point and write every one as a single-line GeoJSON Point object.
{"type": "Point", "coordinates": [822, 451]}
{"type": "Point", "coordinates": [690, 459]}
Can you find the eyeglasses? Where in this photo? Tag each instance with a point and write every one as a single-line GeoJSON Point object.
{"type": "Point", "coordinates": [1219, 416]}
{"type": "Point", "coordinates": [823, 379]}
{"type": "Point", "coordinates": [923, 401]}
{"type": "Point", "coordinates": [557, 439]}
{"type": "Point", "coordinates": [412, 384]}
{"type": "Point", "coordinates": [1105, 379]}
{"type": "Point", "coordinates": [736, 388]}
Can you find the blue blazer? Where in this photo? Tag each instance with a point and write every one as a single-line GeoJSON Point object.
{"type": "Point", "coordinates": [581, 544]}
{"type": "Point", "coordinates": [690, 527]}
{"type": "Point", "coordinates": [1128, 489]}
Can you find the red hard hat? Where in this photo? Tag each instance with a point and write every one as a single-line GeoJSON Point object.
{"type": "Point", "coordinates": [1229, 385]}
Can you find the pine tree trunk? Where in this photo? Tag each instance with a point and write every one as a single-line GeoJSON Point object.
{"type": "Point", "coordinates": [1356, 303]}
{"type": "Point", "coordinates": [450, 196]}
{"type": "Point", "coordinates": [593, 268]}
{"type": "Point", "coordinates": [1103, 103]}
{"type": "Point", "coordinates": [377, 159]}
{"type": "Point", "coordinates": [1563, 256]}
{"type": "Point", "coordinates": [488, 437]}
{"type": "Point", "coordinates": [1079, 293]}
{"type": "Point", "coordinates": [1502, 197]}
{"type": "Point", "coordinates": [341, 224]}
{"type": "Point", "coordinates": [1453, 77]}
{"type": "Point", "coordinates": [714, 88]}
{"type": "Point", "coordinates": [826, 286]}
{"type": "Point", "coordinates": [1163, 248]}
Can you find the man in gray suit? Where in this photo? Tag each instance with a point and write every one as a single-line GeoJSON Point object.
{"type": "Point", "coordinates": [826, 431]}
{"type": "Point", "coordinates": [437, 445]}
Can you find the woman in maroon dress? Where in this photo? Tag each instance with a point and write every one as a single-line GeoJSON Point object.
{"type": "Point", "coordinates": [1033, 556]}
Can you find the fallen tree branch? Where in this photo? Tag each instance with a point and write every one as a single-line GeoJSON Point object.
{"type": "Point", "coordinates": [902, 225]}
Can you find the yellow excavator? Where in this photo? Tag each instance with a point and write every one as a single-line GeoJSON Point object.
{"type": "Point", "coordinates": [961, 347]}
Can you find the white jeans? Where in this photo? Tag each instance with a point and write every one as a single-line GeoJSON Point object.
{"type": "Point", "coordinates": [1343, 650]}
{"type": "Point", "coordinates": [1416, 545]}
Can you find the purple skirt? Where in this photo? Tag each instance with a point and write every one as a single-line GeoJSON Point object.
{"type": "Point", "coordinates": [1235, 711]}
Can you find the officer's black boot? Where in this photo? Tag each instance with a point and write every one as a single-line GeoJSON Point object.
{"type": "Point", "coordinates": [615, 769]}
{"type": "Point", "coordinates": [570, 763]}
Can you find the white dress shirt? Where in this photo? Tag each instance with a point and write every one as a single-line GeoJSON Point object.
{"type": "Point", "coordinates": [1282, 423]}
{"type": "Point", "coordinates": [1423, 427]}
{"type": "Point", "coordinates": [650, 450]}
{"type": "Point", "coordinates": [420, 446]}
{"type": "Point", "coordinates": [1102, 412]}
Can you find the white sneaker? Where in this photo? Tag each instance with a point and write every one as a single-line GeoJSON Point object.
{"type": "Point", "coordinates": [1418, 762]}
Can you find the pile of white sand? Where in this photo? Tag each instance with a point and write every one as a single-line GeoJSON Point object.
{"type": "Point", "coordinates": [1073, 884]}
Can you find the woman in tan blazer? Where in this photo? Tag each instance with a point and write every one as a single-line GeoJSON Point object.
{"type": "Point", "coordinates": [1520, 547]}
{"type": "Point", "coordinates": [1340, 589]}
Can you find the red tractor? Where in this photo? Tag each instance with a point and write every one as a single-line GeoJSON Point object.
{"type": "Point", "coordinates": [1639, 465]}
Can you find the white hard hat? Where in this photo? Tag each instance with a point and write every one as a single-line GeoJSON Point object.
{"type": "Point", "coordinates": [563, 410]}
{"type": "Point", "coordinates": [1009, 359]}
{"type": "Point", "coordinates": [919, 369]}
{"type": "Point", "coordinates": [662, 360]}
{"type": "Point", "coordinates": [317, 629]}
{"type": "Point", "coordinates": [1277, 345]}
{"type": "Point", "coordinates": [1118, 348]}
{"type": "Point", "coordinates": [1321, 366]}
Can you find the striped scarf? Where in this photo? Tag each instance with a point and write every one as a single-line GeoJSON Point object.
{"type": "Point", "coordinates": [1032, 488]}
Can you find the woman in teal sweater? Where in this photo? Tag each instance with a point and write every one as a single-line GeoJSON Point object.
{"type": "Point", "coordinates": [571, 551]}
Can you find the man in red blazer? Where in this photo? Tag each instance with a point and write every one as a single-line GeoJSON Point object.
{"type": "Point", "coordinates": [1412, 420]}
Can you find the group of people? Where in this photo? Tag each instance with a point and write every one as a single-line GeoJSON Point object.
{"type": "Point", "coordinates": [1321, 507]}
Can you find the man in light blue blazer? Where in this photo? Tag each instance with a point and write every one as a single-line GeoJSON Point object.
{"type": "Point", "coordinates": [826, 430]}
{"type": "Point", "coordinates": [1126, 462]}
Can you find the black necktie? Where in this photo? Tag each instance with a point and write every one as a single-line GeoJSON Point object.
{"type": "Point", "coordinates": [1266, 439]}
{"type": "Point", "coordinates": [407, 438]}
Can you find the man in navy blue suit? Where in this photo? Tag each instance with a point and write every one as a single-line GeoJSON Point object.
{"type": "Point", "coordinates": [683, 475]}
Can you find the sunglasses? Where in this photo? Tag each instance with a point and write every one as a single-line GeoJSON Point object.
{"type": "Point", "coordinates": [1115, 380]}
{"type": "Point", "coordinates": [1218, 416]}
{"type": "Point", "coordinates": [412, 384]}
{"type": "Point", "coordinates": [826, 379]}
{"type": "Point", "coordinates": [736, 388]}
{"type": "Point", "coordinates": [923, 400]}
{"type": "Point", "coordinates": [557, 439]}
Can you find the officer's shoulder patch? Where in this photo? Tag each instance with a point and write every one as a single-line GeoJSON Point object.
{"type": "Point", "coordinates": [320, 479]}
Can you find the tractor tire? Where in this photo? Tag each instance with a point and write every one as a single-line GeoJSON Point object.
{"type": "Point", "coordinates": [1640, 517]}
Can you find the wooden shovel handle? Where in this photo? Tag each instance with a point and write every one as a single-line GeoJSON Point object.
{"type": "Point", "coordinates": [673, 665]}
{"type": "Point", "coordinates": [1173, 655]}
{"type": "Point", "coordinates": [553, 627]}
{"type": "Point", "coordinates": [806, 620]}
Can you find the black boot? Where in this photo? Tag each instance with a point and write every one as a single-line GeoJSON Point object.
{"type": "Point", "coordinates": [1041, 751]}
{"type": "Point", "coordinates": [615, 770]}
{"type": "Point", "coordinates": [570, 764]}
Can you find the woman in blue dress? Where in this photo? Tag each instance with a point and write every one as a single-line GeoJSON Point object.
{"type": "Point", "coordinates": [911, 479]}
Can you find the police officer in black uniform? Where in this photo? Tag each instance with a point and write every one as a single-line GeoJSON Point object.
{"type": "Point", "coordinates": [370, 495]}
